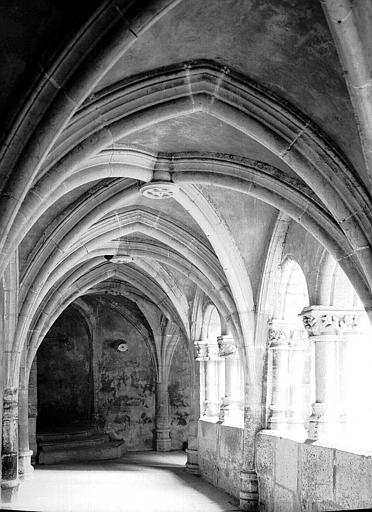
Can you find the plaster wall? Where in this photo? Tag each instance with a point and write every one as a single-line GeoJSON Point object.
{"type": "Point", "coordinates": [295, 476]}
{"type": "Point", "coordinates": [220, 455]}
{"type": "Point", "coordinates": [124, 381]}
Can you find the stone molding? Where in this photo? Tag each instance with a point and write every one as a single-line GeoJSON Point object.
{"type": "Point", "coordinates": [328, 320]}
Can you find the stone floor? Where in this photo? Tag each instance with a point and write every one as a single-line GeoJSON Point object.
{"type": "Point", "coordinates": [141, 481]}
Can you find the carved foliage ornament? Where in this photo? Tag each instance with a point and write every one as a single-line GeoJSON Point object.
{"type": "Point", "coordinates": [226, 347]}
{"type": "Point", "coordinates": [277, 337]}
{"type": "Point", "coordinates": [327, 323]}
{"type": "Point", "coordinates": [200, 350]}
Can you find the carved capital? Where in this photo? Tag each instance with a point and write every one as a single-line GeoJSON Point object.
{"type": "Point", "coordinates": [213, 351]}
{"type": "Point", "coordinates": [319, 320]}
{"type": "Point", "coordinates": [226, 346]}
{"type": "Point", "coordinates": [201, 350]}
{"type": "Point", "coordinates": [278, 333]}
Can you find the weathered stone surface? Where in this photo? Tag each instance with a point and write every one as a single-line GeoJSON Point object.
{"type": "Point", "coordinates": [309, 477]}
{"type": "Point", "coordinates": [220, 455]}
{"type": "Point", "coordinates": [266, 494]}
{"type": "Point", "coordinates": [207, 436]}
{"type": "Point", "coordinates": [353, 480]}
{"type": "Point", "coordinates": [283, 500]}
{"type": "Point", "coordinates": [265, 450]}
{"type": "Point", "coordinates": [126, 380]}
{"type": "Point", "coordinates": [316, 470]}
{"type": "Point", "coordinates": [286, 464]}
{"type": "Point", "coordinates": [231, 442]}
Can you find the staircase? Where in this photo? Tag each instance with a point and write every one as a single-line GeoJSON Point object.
{"type": "Point", "coordinates": [76, 446]}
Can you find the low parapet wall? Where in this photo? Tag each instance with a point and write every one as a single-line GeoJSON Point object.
{"type": "Point", "coordinates": [299, 476]}
{"type": "Point", "coordinates": [220, 455]}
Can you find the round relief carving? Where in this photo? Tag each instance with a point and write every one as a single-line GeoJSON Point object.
{"type": "Point", "coordinates": [122, 258]}
{"type": "Point", "coordinates": [159, 190]}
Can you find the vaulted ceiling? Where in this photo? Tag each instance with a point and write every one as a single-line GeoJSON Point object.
{"type": "Point", "coordinates": [240, 107]}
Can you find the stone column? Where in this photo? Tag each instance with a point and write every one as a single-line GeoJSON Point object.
{"type": "Point", "coordinates": [248, 496]}
{"type": "Point", "coordinates": [231, 403]}
{"type": "Point", "coordinates": [32, 409]}
{"type": "Point", "coordinates": [192, 453]}
{"type": "Point", "coordinates": [163, 440]}
{"type": "Point", "coordinates": [279, 348]}
{"type": "Point", "coordinates": [24, 456]}
{"type": "Point", "coordinates": [299, 383]}
{"type": "Point", "coordinates": [201, 359]}
{"type": "Point", "coordinates": [326, 326]}
{"type": "Point", "coordinates": [211, 382]}
{"type": "Point", "coordinates": [9, 452]}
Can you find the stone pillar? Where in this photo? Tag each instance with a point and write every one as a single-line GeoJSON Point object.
{"type": "Point", "coordinates": [211, 382]}
{"type": "Point", "coordinates": [163, 440]}
{"type": "Point", "coordinates": [192, 453]}
{"type": "Point", "coordinates": [231, 409]}
{"type": "Point", "coordinates": [201, 359]}
{"type": "Point", "coordinates": [32, 409]}
{"type": "Point", "coordinates": [299, 383]}
{"type": "Point", "coordinates": [9, 453]}
{"type": "Point", "coordinates": [248, 497]}
{"type": "Point", "coordinates": [326, 326]}
{"type": "Point", "coordinates": [24, 455]}
{"type": "Point", "coordinates": [279, 349]}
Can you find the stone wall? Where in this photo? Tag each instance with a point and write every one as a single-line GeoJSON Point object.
{"type": "Point", "coordinates": [220, 455]}
{"type": "Point", "coordinates": [124, 381]}
{"type": "Point", "coordinates": [295, 476]}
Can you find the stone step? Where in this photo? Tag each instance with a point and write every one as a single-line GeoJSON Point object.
{"type": "Point", "coordinates": [50, 437]}
{"type": "Point", "coordinates": [103, 451]}
{"type": "Point", "coordinates": [72, 442]}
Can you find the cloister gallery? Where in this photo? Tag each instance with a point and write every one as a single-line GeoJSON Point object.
{"type": "Point", "coordinates": [185, 242]}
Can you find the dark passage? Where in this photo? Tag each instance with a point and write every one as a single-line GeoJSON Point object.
{"type": "Point", "coordinates": [65, 375]}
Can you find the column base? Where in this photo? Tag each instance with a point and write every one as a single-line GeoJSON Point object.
{"type": "Point", "coordinates": [210, 409]}
{"type": "Point", "coordinates": [230, 411]}
{"type": "Point", "coordinates": [163, 440]}
{"type": "Point", "coordinates": [323, 425]}
{"type": "Point", "coordinates": [192, 464]}
{"type": "Point", "coordinates": [277, 418]}
{"type": "Point", "coordinates": [9, 490]}
{"type": "Point", "coordinates": [24, 463]}
{"type": "Point", "coordinates": [248, 498]}
{"type": "Point", "coordinates": [296, 423]}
